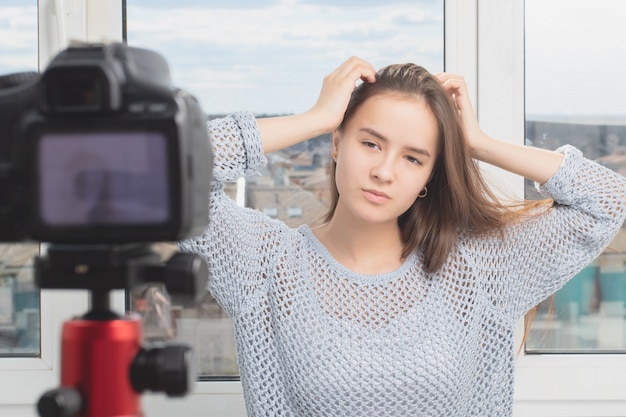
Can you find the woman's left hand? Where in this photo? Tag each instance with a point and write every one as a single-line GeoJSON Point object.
{"type": "Point", "coordinates": [455, 85]}
{"type": "Point", "coordinates": [533, 163]}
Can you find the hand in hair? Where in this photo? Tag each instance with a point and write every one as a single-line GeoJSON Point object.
{"type": "Point", "coordinates": [338, 87]}
{"type": "Point", "coordinates": [327, 113]}
{"type": "Point", "coordinates": [456, 87]}
{"type": "Point", "coordinates": [533, 163]}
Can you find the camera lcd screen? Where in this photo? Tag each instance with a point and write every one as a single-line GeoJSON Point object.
{"type": "Point", "coordinates": [103, 178]}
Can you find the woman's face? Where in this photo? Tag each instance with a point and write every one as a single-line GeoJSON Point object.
{"type": "Point", "coordinates": [385, 156]}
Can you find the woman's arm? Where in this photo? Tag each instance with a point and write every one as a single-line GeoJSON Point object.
{"type": "Point", "coordinates": [327, 113]}
{"type": "Point", "coordinates": [542, 252]}
{"type": "Point", "coordinates": [536, 164]}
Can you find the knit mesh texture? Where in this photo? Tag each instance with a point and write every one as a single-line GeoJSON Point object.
{"type": "Point", "coordinates": [316, 339]}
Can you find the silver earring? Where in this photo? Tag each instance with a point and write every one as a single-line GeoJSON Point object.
{"type": "Point", "coordinates": [423, 193]}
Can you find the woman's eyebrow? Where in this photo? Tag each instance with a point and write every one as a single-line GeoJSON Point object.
{"type": "Point", "coordinates": [383, 138]}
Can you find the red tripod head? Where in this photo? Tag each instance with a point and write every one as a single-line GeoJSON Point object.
{"type": "Point", "coordinates": [104, 370]}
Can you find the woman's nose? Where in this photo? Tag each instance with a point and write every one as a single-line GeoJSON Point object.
{"type": "Point", "coordinates": [383, 170]}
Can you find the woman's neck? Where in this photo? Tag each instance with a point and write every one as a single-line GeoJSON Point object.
{"type": "Point", "coordinates": [369, 248]}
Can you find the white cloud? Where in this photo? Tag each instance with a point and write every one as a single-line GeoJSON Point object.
{"type": "Point", "coordinates": [280, 25]}
{"type": "Point", "coordinates": [18, 39]}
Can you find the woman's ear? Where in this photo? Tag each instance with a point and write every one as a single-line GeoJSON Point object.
{"type": "Point", "coordinates": [336, 139]}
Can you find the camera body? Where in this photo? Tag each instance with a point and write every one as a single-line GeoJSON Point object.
{"type": "Point", "coordinates": [100, 148]}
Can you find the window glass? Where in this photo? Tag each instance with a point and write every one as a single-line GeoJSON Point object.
{"type": "Point", "coordinates": [18, 36]}
{"type": "Point", "coordinates": [269, 57]}
{"type": "Point", "coordinates": [19, 302]}
{"type": "Point", "coordinates": [575, 64]}
{"type": "Point", "coordinates": [19, 297]}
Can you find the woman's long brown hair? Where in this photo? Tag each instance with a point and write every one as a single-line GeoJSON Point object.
{"type": "Point", "coordinates": [458, 198]}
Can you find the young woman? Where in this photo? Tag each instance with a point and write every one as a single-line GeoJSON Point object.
{"type": "Point", "coordinates": [403, 302]}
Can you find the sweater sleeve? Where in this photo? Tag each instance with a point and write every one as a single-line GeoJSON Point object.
{"type": "Point", "coordinates": [239, 244]}
{"type": "Point", "coordinates": [237, 147]}
{"type": "Point", "coordinates": [540, 254]}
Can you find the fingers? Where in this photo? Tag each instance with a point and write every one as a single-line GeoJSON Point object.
{"type": "Point", "coordinates": [360, 67]}
{"type": "Point", "coordinates": [444, 76]}
{"type": "Point", "coordinates": [366, 70]}
{"type": "Point", "coordinates": [453, 83]}
{"type": "Point", "coordinates": [355, 68]}
{"type": "Point", "coordinates": [337, 89]}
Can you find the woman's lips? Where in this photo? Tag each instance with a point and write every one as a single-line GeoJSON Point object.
{"type": "Point", "coordinates": [375, 196]}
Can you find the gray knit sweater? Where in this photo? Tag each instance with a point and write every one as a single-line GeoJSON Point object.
{"type": "Point", "coordinates": [316, 339]}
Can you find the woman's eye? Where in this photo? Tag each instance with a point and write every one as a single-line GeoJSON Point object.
{"type": "Point", "coordinates": [370, 144]}
{"type": "Point", "coordinates": [414, 160]}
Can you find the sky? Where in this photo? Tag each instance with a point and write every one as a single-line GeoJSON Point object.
{"type": "Point", "coordinates": [269, 56]}
{"type": "Point", "coordinates": [575, 57]}
{"type": "Point", "coordinates": [266, 56]}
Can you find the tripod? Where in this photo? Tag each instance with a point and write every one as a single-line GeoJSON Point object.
{"type": "Point", "coordinates": [104, 366]}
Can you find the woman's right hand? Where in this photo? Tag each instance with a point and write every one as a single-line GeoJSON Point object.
{"type": "Point", "coordinates": [327, 113]}
{"type": "Point", "coordinates": [337, 89]}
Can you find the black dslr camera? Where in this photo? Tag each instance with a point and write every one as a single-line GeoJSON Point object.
{"type": "Point", "coordinates": [100, 156]}
{"type": "Point", "coordinates": [101, 148]}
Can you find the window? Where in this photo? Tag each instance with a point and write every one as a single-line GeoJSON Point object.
{"type": "Point", "coordinates": [271, 211]}
{"type": "Point", "coordinates": [19, 297]}
{"type": "Point", "coordinates": [294, 211]}
{"type": "Point", "coordinates": [269, 57]}
{"type": "Point", "coordinates": [574, 59]}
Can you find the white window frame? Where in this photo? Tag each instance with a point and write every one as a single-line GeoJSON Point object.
{"type": "Point", "coordinates": [546, 384]}
{"type": "Point", "coordinates": [484, 41]}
